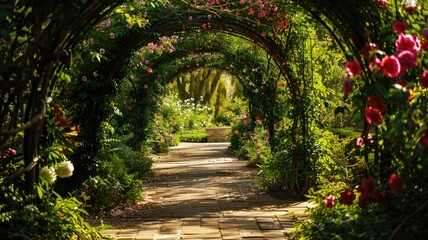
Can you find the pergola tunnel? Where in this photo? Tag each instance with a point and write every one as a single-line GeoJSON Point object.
{"type": "Point", "coordinates": [326, 99]}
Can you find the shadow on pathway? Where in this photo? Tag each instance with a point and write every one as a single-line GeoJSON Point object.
{"type": "Point", "coordinates": [200, 191]}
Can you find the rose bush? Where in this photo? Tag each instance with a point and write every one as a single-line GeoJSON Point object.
{"type": "Point", "coordinates": [390, 92]}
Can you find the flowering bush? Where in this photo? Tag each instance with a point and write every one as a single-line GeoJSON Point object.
{"type": "Point", "coordinates": [257, 145]}
{"type": "Point", "coordinates": [43, 217]}
{"type": "Point", "coordinates": [239, 134]}
{"type": "Point", "coordinates": [387, 85]}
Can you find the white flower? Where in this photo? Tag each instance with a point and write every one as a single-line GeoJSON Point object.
{"type": "Point", "coordinates": [64, 169]}
{"type": "Point", "coordinates": [48, 173]}
{"type": "Point", "coordinates": [31, 208]}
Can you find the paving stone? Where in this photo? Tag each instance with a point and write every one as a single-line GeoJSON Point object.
{"type": "Point", "coordinates": [200, 192]}
{"type": "Point", "coordinates": [251, 234]}
{"type": "Point", "coordinates": [125, 237]}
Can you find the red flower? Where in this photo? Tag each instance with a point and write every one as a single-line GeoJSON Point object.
{"type": "Point", "coordinates": [396, 183]}
{"type": "Point", "coordinates": [408, 42]}
{"type": "Point", "coordinates": [399, 27]}
{"type": "Point", "coordinates": [377, 101]}
{"type": "Point", "coordinates": [424, 138]}
{"type": "Point", "coordinates": [369, 193]}
{"type": "Point", "coordinates": [423, 79]}
{"type": "Point", "coordinates": [360, 141]}
{"type": "Point", "coordinates": [368, 49]}
{"type": "Point", "coordinates": [373, 116]}
{"type": "Point", "coordinates": [244, 123]}
{"type": "Point", "coordinates": [347, 86]}
{"type": "Point", "coordinates": [353, 68]}
{"type": "Point", "coordinates": [391, 66]}
{"type": "Point", "coordinates": [367, 184]}
{"type": "Point", "coordinates": [329, 201]}
{"type": "Point", "coordinates": [407, 58]}
{"type": "Point", "coordinates": [347, 197]}
{"type": "Point", "coordinates": [382, 3]}
{"type": "Point", "coordinates": [409, 9]}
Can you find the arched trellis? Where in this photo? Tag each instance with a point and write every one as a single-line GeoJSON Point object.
{"type": "Point", "coordinates": [224, 60]}
{"type": "Point", "coordinates": [65, 30]}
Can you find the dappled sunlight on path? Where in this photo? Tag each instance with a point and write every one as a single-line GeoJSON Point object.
{"type": "Point", "coordinates": [200, 191]}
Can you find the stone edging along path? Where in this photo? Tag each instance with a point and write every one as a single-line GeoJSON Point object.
{"type": "Point", "coordinates": [200, 191]}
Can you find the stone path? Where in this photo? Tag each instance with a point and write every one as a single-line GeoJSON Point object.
{"type": "Point", "coordinates": [200, 191]}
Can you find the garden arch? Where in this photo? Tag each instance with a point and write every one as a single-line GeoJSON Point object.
{"type": "Point", "coordinates": [64, 30]}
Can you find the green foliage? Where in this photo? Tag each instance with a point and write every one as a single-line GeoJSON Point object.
{"type": "Point", "coordinates": [344, 133]}
{"type": "Point", "coordinates": [194, 137]}
{"type": "Point", "coordinates": [177, 139]}
{"type": "Point", "coordinates": [335, 156]}
{"type": "Point", "coordinates": [50, 217]}
{"type": "Point", "coordinates": [137, 163]}
{"type": "Point", "coordinates": [113, 187]}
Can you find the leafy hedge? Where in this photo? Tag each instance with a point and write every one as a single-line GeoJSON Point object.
{"type": "Point", "coordinates": [194, 137]}
{"type": "Point", "coordinates": [344, 133]}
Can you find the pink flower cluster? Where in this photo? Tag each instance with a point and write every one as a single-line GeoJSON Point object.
{"type": "Point", "coordinates": [7, 153]}
{"type": "Point", "coordinates": [258, 10]}
{"type": "Point", "coordinates": [407, 49]}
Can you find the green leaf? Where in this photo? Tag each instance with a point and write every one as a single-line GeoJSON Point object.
{"type": "Point", "coordinates": [39, 192]}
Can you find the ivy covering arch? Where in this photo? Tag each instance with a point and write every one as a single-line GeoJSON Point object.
{"type": "Point", "coordinates": [39, 39]}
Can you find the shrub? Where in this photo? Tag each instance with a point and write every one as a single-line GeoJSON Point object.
{"type": "Point", "coordinates": [390, 218]}
{"type": "Point", "coordinates": [239, 133]}
{"type": "Point", "coordinates": [257, 145]}
{"type": "Point", "coordinates": [194, 137]}
{"type": "Point", "coordinates": [177, 139]}
{"type": "Point", "coordinates": [43, 217]}
{"type": "Point", "coordinates": [113, 187]}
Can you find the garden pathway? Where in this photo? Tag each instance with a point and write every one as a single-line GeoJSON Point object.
{"type": "Point", "coordinates": [200, 191]}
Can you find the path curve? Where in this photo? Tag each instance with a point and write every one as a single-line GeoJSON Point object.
{"type": "Point", "coordinates": [200, 191]}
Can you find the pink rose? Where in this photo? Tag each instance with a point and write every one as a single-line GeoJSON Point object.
{"type": "Point", "coordinates": [408, 58]}
{"type": "Point", "coordinates": [353, 68]}
{"type": "Point", "coordinates": [360, 141]}
{"type": "Point", "coordinates": [396, 183]}
{"type": "Point", "coordinates": [382, 3]}
{"type": "Point", "coordinates": [399, 27]}
{"type": "Point", "coordinates": [12, 151]}
{"type": "Point", "coordinates": [373, 116]}
{"type": "Point", "coordinates": [347, 197]}
{"type": "Point", "coordinates": [377, 101]}
{"type": "Point", "coordinates": [390, 66]}
{"type": "Point", "coordinates": [329, 201]}
{"type": "Point", "coordinates": [408, 42]}
{"type": "Point", "coordinates": [423, 79]}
